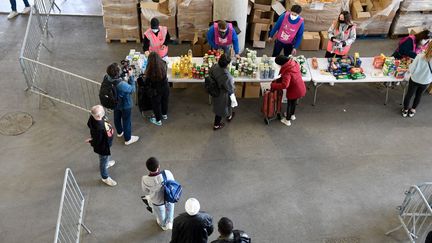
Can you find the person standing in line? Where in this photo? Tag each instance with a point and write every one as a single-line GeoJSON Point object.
{"type": "Point", "coordinates": [289, 32]}
{"type": "Point", "coordinates": [123, 109]}
{"type": "Point", "coordinates": [156, 38]}
{"type": "Point", "coordinates": [154, 194]}
{"type": "Point", "coordinates": [193, 226]}
{"type": "Point", "coordinates": [14, 12]}
{"type": "Point", "coordinates": [157, 88]}
{"type": "Point", "coordinates": [291, 80]}
{"type": "Point", "coordinates": [342, 34]}
{"type": "Point", "coordinates": [101, 132]}
{"type": "Point", "coordinates": [421, 77]}
{"type": "Point", "coordinates": [228, 234]}
{"type": "Point", "coordinates": [222, 103]}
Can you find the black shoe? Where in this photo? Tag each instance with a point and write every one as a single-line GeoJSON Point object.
{"type": "Point", "coordinates": [221, 125]}
{"type": "Point", "coordinates": [231, 117]}
{"type": "Point", "coordinates": [147, 204]}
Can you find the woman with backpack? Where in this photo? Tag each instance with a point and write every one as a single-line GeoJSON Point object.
{"type": "Point", "coordinates": [412, 45]}
{"type": "Point", "coordinates": [157, 87]}
{"type": "Point", "coordinates": [222, 103]}
{"type": "Point", "coordinates": [421, 77]}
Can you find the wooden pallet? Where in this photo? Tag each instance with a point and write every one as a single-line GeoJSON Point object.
{"type": "Point", "coordinates": [123, 40]}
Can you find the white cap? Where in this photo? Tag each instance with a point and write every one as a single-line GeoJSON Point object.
{"type": "Point", "coordinates": [192, 206]}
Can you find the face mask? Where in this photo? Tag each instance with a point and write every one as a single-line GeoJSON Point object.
{"type": "Point", "coordinates": [341, 22]}
{"type": "Point", "coordinates": [155, 30]}
{"type": "Point", "coordinates": [292, 17]}
{"type": "Point", "coordinates": [423, 42]}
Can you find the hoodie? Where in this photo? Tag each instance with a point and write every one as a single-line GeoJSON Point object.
{"type": "Point", "coordinates": [124, 90]}
{"type": "Point", "coordinates": [291, 80]}
{"type": "Point", "coordinates": [101, 135]}
{"type": "Point", "coordinates": [152, 187]}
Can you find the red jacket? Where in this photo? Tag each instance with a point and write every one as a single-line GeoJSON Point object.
{"type": "Point", "coordinates": [291, 80]}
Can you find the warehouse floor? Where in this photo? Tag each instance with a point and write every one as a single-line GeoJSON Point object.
{"type": "Point", "coordinates": [338, 172]}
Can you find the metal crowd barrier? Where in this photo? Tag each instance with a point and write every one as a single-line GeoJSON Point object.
{"type": "Point", "coordinates": [70, 216]}
{"type": "Point", "coordinates": [415, 213]}
{"type": "Point", "coordinates": [46, 80]}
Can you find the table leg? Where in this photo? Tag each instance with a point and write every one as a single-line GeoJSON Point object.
{"type": "Point", "coordinates": [209, 99]}
{"type": "Point", "coordinates": [316, 86]}
{"type": "Point", "coordinates": [387, 92]}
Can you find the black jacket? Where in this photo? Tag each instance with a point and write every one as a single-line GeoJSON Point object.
{"type": "Point", "coordinates": [405, 49]}
{"type": "Point", "coordinates": [192, 229]}
{"type": "Point", "coordinates": [238, 236]}
{"type": "Point", "coordinates": [101, 133]}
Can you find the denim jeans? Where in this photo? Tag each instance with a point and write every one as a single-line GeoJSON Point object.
{"type": "Point", "coordinates": [123, 122]}
{"type": "Point", "coordinates": [164, 213]}
{"type": "Point", "coordinates": [278, 46]}
{"type": "Point", "coordinates": [13, 4]}
{"type": "Point", "coordinates": [103, 164]}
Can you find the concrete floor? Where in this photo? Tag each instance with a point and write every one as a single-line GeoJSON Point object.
{"type": "Point", "coordinates": [71, 7]}
{"type": "Point", "coordinates": [338, 172]}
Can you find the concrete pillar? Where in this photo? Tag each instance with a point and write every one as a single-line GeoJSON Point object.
{"type": "Point", "coordinates": [232, 10]}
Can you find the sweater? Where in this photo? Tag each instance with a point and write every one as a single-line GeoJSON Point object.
{"type": "Point", "coordinates": [299, 36]}
{"type": "Point", "coordinates": [406, 49]}
{"type": "Point", "coordinates": [212, 43]}
{"type": "Point", "coordinates": [152, 186]}
{"type": "Point", "coordinates": [101, 135]}
{"type": "Point", "coordinates": [420, 72]}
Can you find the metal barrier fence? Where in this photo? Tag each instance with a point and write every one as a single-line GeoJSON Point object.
{"type": "Point", "coordinates": [415, 213]}
{"type": "Point", "coordinates": [46, 80]}
{"type": "Point", "coordinates": [70, 216]}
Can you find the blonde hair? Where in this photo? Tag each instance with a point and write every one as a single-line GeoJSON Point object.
{"type": "Point", "coordinates": [428, 53]}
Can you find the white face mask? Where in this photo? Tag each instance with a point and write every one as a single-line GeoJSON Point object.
{"type": "Point", "coordinates": [423, 42]}
{"type": "Point", "coordinates": [292, 17]}
{"type": "Point", "coordinates": [155, 30]}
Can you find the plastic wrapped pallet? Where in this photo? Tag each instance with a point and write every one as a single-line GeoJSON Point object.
{"type": "Point", "coordinates": [164, 20]}
{"type": "Point", "coordinates": [416, 5]}
{"type": "Point", "coordinates": [120, 18]}
{"type": "Point", "coordinates": [405, 20]}
{"type": "Point", "coordinates": [382, 13]}
{"type": "Point", "coordinates": [193, 16]}
{"type": "Point", "coordinates": [318, 15]}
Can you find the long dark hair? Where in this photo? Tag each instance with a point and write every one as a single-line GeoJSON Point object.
{"type": "Point", "coordinates": [423, 35]}
{"type": "Point", "coordinates": [156, 68]}
{"type": "Point", "coordinates": [347, 19]}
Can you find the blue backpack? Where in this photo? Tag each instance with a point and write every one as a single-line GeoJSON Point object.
{"type": "Point", "coordinates": [172, 189]}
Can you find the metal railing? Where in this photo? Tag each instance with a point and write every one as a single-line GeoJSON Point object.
{"type": "Point", "coordinates": [70, 216]}
{"type": "Point", "coordinates": [46, 80]}
{"type": "Point", "coordinates": [415, 213]}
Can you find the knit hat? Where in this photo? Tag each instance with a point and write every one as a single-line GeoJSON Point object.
{"type": "Point", "coordinates": [281, 60]}
{"type": "Point", "coordinates": [224, 60]}
{"type": "Point", "coordinates": [192, 206]}
{"type": "Point", "coordinates": [296, 9]}
{"type": "Point", "coordinates": [154, 23]}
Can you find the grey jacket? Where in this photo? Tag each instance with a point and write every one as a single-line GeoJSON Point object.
{"type": "Point", "coordinates": [222, 103]}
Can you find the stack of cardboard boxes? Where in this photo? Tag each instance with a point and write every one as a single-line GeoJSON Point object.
{"type": "Point", "coordinates": [260, 19]}
{"type": "Point", "coordinates": [414, 13]}
{"type": "Point", "coordinates": [164, 11]}
{"type": "Point", "coordinates": [374, 17]}
{"type": "Point", "coordinates": [193, 17]}
{"type": "Point", "coordinates": [120, 19]}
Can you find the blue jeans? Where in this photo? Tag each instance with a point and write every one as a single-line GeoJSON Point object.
{"type": "Point", "coordinates": [123, 122]}
{"type": "Point", "coordinates": [13, 4]}
{"type": "Point", "coordinates": [278, 46]}
{"type": "Point", "coordinates": [164, 213]}
{"type": "Point", "coordinates": [103, 163]}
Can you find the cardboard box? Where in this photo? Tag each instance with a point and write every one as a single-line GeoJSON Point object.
{"type": "Point", "coordinates": [324, 40]}
{"type": "Point", "coordinates": [259, 32]}
{"type": "Point", "coordinates": [252, 90]}
{"type": "Point", "coordinates": [259, 16]}
{"type": "Point", "coordinates": [430, 89]}
{"type": "Point", "coordinates": [311, 41]}
{"type": "Point", "coordinates": [278, 8]}
{"type": "Point", "coordinates": [150, 5]}
{"type": "Point", "coordinates": [263, 2]}
{"type": "Point", "coordinates": [361, 9]}
{"type": "Point", "coordinates": [262, 7]}
{"type": "Point", "coordinates": [239, 90]}
{"type": "Point", "coordinates": [259, 44]}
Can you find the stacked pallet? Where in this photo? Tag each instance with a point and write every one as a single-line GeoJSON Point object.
{"type": "Point", "coordinates": [374, 17]}
{"type": "Point", "coordinates": [193, 16]}
{"type": "Point", "coordinates": [414, 13]}
{"type": "Point", "coordinates": [164, 11]}
{"type": "Point", "coordinates": [318, 14]}
{"type": "Point", "coordinates": [260, 20]}
{"type": "Point", "coordinates": [120, 19]}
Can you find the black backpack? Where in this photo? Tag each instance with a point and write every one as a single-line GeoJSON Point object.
{"type": "Point", "coordinates": [240, 238]}
{"type": "Point", "coordinates": [211, 86]}
{"type": "Point", "coordinates": [108, 94]}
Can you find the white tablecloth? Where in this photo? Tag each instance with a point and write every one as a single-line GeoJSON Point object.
{"type": "Point", "coordinates": [367, 65]}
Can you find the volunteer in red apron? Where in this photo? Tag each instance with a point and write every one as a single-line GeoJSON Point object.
{"type": "Point", "coordinates": [156, 38]}
{"type": "Point", "coordinates": [288, 32]}
{"type": "Point", "coordinates": [342, 34]}
{"type": "Point", "coordinates": [222, 35]}
{"type": "Point", "coordinates": [412, 45]}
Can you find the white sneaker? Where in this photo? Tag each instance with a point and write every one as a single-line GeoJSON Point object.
{"type": "Point", "coordinates": [132, 140]}
{"type": "Point", "coordinates": [111, 163]}
{"type": "Point", "coordinates": [331, 83]}
{"type": "Point", "coordinates": [26, 10]}
{"type": "Point", "coordinates": [293, 117]}
{"type": "Point", "coordinates": [165, 117]}
{"type": "Point", "coordinates": [120, 135]}
{"type": "Point", "coordinates": [12, 14]}
{"type": "Point", "coordinates": [169, 226]}
{"type": "Point", "coordinates": [164, 228]}
{"type": "Point", "coordinates": [286, 122]}
{"type": "Point", "coordinates": [109, 181]}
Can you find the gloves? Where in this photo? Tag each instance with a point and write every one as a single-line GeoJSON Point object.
{"type": "Point", "coordinates": [343, 43]}
{"type": "Point", "coordinates": [332, 39]}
